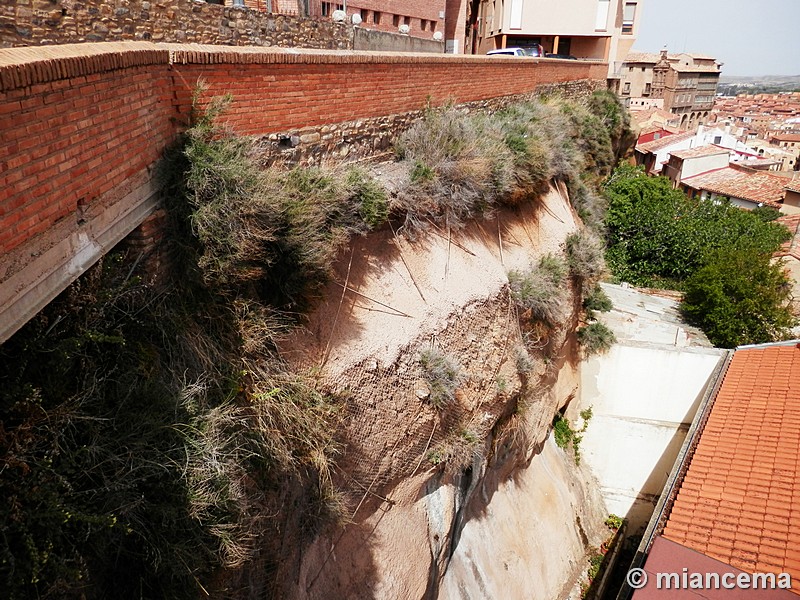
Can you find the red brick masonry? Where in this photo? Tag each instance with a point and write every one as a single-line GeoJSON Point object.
{"type": "Point", "coordinates": [79, 121]}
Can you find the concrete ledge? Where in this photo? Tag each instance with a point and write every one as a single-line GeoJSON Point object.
{"type": "Point", "coordinates": [51, 262]}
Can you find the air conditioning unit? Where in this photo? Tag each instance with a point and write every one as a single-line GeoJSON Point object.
{"type": "Point", "coordinates": [339, 16]}
{"type": "Point", "coordinates": [437, 35]}
{"type": "Point", "coordinates": [404, 29]}
{"type": "Point", "coordinates": [356, 19]}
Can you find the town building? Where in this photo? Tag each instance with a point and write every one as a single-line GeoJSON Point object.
{"type": "Point", "coordinates": [602, 30]}
{"type": "Point", "coordinates": [743, 187]}
{"type": "Point", "coordinates": [409, 17]}
{"type": "Point", "coordinates": [684, 84]}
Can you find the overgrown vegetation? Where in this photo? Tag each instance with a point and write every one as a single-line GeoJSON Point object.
{"type": "Point", "coordinates": [270, 232]}
{"type": "Point", "coordinates": [153, 437]}
{"type": "Point", "coordinates": [717, 253]}
{"type": "Point", "coordinates": [596, 338]}
{"type": "Point", "coordinates": [570, 439]}
{"type": "Point", "coordinates": [457, 451]}
{"type": "Point", "coordinates": [463, 164]}
{"type": "Point", "coordinates": [739, 297]}
{"type": "Point", "coordinates": [596, 301]}
{"type": "Point", "coordinates": [443, 375]}
{"type": "Point", "coordinates": [541, 290]}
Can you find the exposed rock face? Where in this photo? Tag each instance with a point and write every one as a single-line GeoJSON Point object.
{"type": "Point", "coordinates": [507, 513]}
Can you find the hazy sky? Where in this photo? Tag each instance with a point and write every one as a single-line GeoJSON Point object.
{"type": "Point", "coordinates": [752, 37]}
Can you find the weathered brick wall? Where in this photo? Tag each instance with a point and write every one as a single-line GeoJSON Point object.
{"type": "Point", "coordinates": [80, 122]}
{"type": "Point", "coordinates": [373, 138]}
{"type": "Point", "coordinates": [280, 91]}
{"type": "Point", "coordinates": [35, 22]}
{"type": "Point", "coordinates": [76, 127]}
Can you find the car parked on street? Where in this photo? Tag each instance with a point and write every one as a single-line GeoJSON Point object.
{"type": "Point", "coordinates": [536, 51]}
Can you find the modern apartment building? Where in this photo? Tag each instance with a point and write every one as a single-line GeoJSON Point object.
{"type": "Point", "coordinates": [687, 83]}
{"type": "Point", "coordinates": [602, 30]}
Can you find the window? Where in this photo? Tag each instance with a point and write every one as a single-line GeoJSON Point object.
{"type": "Point", "coordinates": [626, 89]}
{"type": "Point", "coordinates": [628, 17]}
{"type": "Point", "coordinates": [601, 20]}
{"type": "Point", "coordinates": [396, 20]}
{"type": "Point", "coordinates": [364, 14]}
{"type": "Point", "coordinates": [423, 24]}
{"type": "Point", "coordinates": [647, 88]}
{"type": "Point", "coordinates": [376, 17]}
{"type": "Point", "coordinates": [407, 21]}
{"type": "Point", "coordinates": [329, 7]}
{"type": "Point", "coordinates": [717, 139]}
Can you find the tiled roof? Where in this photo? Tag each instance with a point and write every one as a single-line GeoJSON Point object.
{"type": "Point", "coordinates": [794, 186]}
{"type": "Point", "coordinates": [739, 501]}
{"type": "Point", "coordinates": [642, 57]}
{"type": "Point", "coordinates": [708, 150]}
{"type": "Point", "coordinates": [644, 115]}
{"type": "Point", "coordinates": [787, 137]}
{"type": "Point", "coordinates": [656, 145]}
{"type": "Point", "coordinates": [755, 186]}
{"type": "Point", "coordinates": [696, 68]}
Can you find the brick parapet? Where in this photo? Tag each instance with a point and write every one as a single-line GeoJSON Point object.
{"type": "Point", "coordinates": [80, 121]}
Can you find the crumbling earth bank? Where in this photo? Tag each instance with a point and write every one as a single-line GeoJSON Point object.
{"type": "Point", "coordinates": [456, 500]}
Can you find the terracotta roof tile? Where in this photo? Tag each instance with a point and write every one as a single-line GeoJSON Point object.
{"type": "Point", "coordinates": [655, 145]}
{"type": "Point", "coordinates": [755, 186]}
{"type": "Point", "coordinates": [739, 501]}
{"type": "Point", "coordinates": [707, 150]}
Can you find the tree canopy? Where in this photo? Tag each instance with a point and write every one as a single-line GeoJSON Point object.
{"type": "Point", "coordinates": [718, 254]}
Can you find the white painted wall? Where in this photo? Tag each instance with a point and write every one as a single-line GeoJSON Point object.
{"type": "Point", "coordinates": [643, 401]}
{"type": "Point", "coordinates": [644, 394]}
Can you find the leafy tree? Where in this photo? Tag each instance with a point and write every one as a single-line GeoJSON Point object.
{"type": "Point", "coordinates": [739, 297]}
{"type": "Point", "coordinates": [659, 237]}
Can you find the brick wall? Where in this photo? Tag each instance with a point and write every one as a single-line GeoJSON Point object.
{"type": "Point", "coordinates": [277, 91]}
{"type": "Point", "coordinates": [79, 122]}
{"type": "Point", "coordinates": [76, 127]}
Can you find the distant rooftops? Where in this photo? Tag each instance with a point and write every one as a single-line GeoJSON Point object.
{"type": "Point", "coordinates": [759, 187]}
{"type": "Point", "coordinates": [708, 150]}
{"type": "Point", "coordinates": [656, 145]}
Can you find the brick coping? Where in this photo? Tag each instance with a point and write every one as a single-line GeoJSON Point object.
{"type": "Point", "coordinates": [31, 65]}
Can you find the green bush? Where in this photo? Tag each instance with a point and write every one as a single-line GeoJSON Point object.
{"type": "Point", "coordinates": [596, 338]}
{"type": "Point", "coordinates": [541, 289]}
{"type": "Point", "coordinates": [596, 301]}
{"type": "Point", "coordinates": [585, 257]}
{"type": "Point", "coordinates": [270, 233]}
{"type": "Point", "coordinates": [567, 438]}
{"type": "Point", "coordinates": [459, 165]}
{"type": "Point", "coordinates": [463, 164]}
{"type": "Point", "coordinates": [739, 297]}
{"type": "Point", "coordinates": [443, 375]}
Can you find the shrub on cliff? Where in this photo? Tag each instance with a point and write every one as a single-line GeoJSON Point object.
{"type": "Point", "coordinates": [443, 375]}
{"type": "Point", "coordinates": [271, 233]}
{"type": "Point", "coordinates": [596, 338]}
{"type": "Point", "coordinates": [584, 252]}
{"type": "Point", "coordinates": [541, 289]}
{"type": "Point", "coordinates": [459, 166]}
{"type": "Point", "coordinates": [463, 164]}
